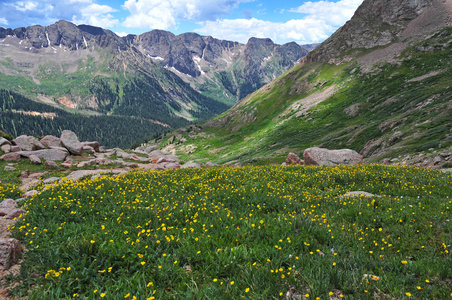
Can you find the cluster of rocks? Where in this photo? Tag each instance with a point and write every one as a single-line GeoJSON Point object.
{"type": "Point", "coordinates": [48, 150]}
{"type": "Point", "coordinates": [10, 249]}
{"type": "Point", "coordinates": [323, 157]}
{"type": "Point", "coordinates": [433, 159]}
{"type": "Point", "coordinates": [51, 149]}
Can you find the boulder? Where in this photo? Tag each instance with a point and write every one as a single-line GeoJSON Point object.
{"type": "Point", "coordinates": [13, 156]}
{"type": "Point", "coordinates": [10, 252]}
{"type": "Point", "coordinates": [8, 203]}
{"type": "Point", "coordinates": [323, 157]}
{"type": "Point", "coordinates": [50, 164]}
{"type": "Point", "coordinates": [59, 148]}
{"type": "Point", "coordinates": [94, 145]}
{"type": "Point", "coordinates": [88, 149]}
{"type": "Point", "coordinates": [4, 141]}
{"type": "Point", "coordinates": [66, 165]}
{"type": "Point", "coordinates": [102, 149]}
{"type": "Point", "coordinates": [28, 143]}
{"type": "Point", "coordinates": [70, 141]}
{"type": "Point", "coordinates": [9, 168]}
{"type": "Point", "coordinates": [151, 148]}
{"type": "Point", "coordinates": [34, 159]}
{"type": "Point", "coordinates": [158, 153]}
{"type": "Point", "coordinates": [191, 165]}
{"type": "Point", "coordinates": [6, 148]}
{"type": "Point", "coordinates": [51, 180]}
{"type": "Point", "coordinates": [46, 154]}
{"type": "Point", "coordinates": [171, 165]}
{"type": "Point", "coordinates": [15, 149]}
{"type": "Point", "coordinates": [50, 141]}
{"type": "Point", "coordinates": [293, 159]}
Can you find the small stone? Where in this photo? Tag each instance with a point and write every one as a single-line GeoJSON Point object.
{"type": "Point", "coordinates": [34, 159]}
{"type": "Point", "coordinates": [9, 168]}
{"type": "Point", "coordinates": [31, 193]}
{"type": "Point", "coordinates": [50, 164]}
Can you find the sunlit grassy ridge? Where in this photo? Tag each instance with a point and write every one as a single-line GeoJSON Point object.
{"type": "Point", "coordinates": [254, 232]}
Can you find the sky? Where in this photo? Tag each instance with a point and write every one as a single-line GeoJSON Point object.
{"type": "Point", "coordinates": [236, 20]}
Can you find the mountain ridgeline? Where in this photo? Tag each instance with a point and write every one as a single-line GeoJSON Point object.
{"type": "Point", "coordinates": [169, 80]}
{"type": "Point", "coordinates": [379, 85]}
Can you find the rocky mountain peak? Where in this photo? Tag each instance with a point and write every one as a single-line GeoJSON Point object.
{"type": "Point", "coordinates": [381, 22]}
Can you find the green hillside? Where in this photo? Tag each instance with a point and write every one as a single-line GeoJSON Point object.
{"type": "Point", "coordinates": [385, 109]}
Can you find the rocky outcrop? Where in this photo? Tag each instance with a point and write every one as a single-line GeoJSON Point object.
{"type": "Point", "coordinates": [50, 141]}
{"type": "Point", "coordinates": [70, 141]}
{"type": "Point", "coordinates": [46, 154]}
{"type": "Point", "coordinates": [28, 143]}
{"type": "Point", "coordinates": [323, 157]}
{"type": "Point", "coordinates": [35, 159]}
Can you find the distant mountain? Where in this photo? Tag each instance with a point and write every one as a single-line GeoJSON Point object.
{"type": "Point", "coordinates": [166, 79]}
{"type": "Point", "coordinates": [380, 85]}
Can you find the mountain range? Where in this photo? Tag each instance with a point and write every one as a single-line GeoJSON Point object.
{"type": "Point", "coordinates": [157, 77]}
{"type": "Point", "coordinates": [380, 85]}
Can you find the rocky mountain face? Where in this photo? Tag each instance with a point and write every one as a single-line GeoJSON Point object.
{"type": "Point", "coordinates": [380, 85]}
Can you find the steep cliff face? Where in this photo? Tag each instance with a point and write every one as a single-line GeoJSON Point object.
{"type": "Point", "coordinates": [380, 23]}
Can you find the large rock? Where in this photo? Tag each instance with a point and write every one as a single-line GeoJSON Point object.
{"type": "Point", "coordinates": [6, 148]}
{"type": "Point", "coordinates": [89, 149]}
{"type": "Point", "coordinates": [50, 141]}
{"type": "Point", "coordinates": [4, 141]}
{"type": "Point", "coordinates": [70, 141]}
{"type": "Point", "coordinates": [46, 154]}
{"type": "Point", "coordinates": [151, 148]}
{"type": "Point", "coordinates": [323, 157]}
{"type": "Point", "coordinates": [10, 252]}
{"type": "Point", "coordinates": [10, 157]}
{"type": "Point", "coordinates": [28, 143]}
{"type": "Point", "coordinates": [293, 159]}
{"type": "Point", "coordinates": [94, 145]}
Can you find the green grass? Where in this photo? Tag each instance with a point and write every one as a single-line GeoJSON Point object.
{"type": "Point", "coordinates": [252, 232]}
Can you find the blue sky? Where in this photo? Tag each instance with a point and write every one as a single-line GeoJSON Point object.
{"type": "Point", "coordinates": [237, 20]}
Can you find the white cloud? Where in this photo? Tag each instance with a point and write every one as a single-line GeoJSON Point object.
{"type": "Point", "coordinates": [166, 14]}
{"type": "Point", "coordinates": [331, 13]}
{"type": "Point", "coordinates": [302, 31]}
{"type": "Point", "coordinates": [96, 15]}
{"type": "Point", "coordinates": [321, 20]}
{"type": "Point", "coordinates": [3, 21]}
{"type": "Point", "coordinates": [24, 6]}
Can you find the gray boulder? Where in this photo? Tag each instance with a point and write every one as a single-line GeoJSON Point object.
{"type": "Point", "coordinates": [50, 141]}
{"type": "Point", "coordinates": [70, 141]}
{"type": "Point", "coordinates": [46, 154]}
{"type": "Point", "coordinates": [15, 149]}
{"type": "Point", "coordinates": [94, 145]}
{"type": "Point", "coordinates": [9, 168]}
{"type": "Point", "coordinates": [4, 141]}
{"type": "Point", "coordinates": [6, 148]}
{"type": "Point", "coordinates": [191, 165]}
{"type": "Point", "coordinates": [88, 149]}
{"type": "Point", "coordinates": [293, 159]}
{"type": "Point", "coordinates": [50, 164]}
{"type": "Point", "coordinates": [28, 143]}
{"type": "Point", "coordinates": [34, 159]}
{"type": "Point", "coordinates": [149, 149]}
{"type": "Point", "coordinates": [323, 157]}
{"type": "Point", "coordinates": [13, 156]}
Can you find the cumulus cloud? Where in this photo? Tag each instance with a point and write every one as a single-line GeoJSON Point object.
{"type": "Point", "coordinates": [331, 13]}
{"type": "Point", "coordinates": [320, 20]}
{"type": "Point", "coordinates": [166, 14]}
{"type": "Point", "coordinates": [3, 21]}
{"type": "Point", "coordinates": [96, 15]}
{"type": "Point", "coordinates": [302, 31]}
{"type": "Point", "coordinates": [45, 12]}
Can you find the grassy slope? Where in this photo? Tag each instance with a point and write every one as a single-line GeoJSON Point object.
{"type": "Point", "coordinates": [256, 232]}
{"type": "Point", "coordinates": [402, 116]}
